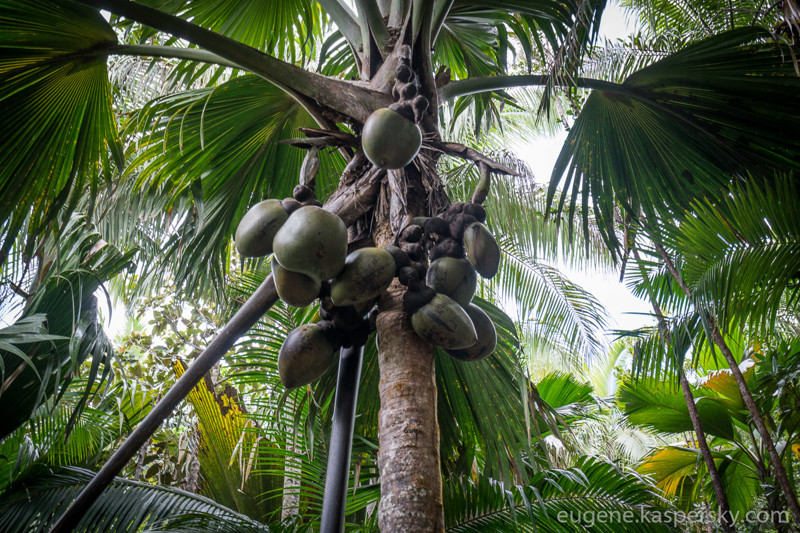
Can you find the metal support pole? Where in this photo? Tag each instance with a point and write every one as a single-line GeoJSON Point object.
{"type": "Point", "coordinates": [254, 308]}
{"type": "Point", "coordinates": [344, 418]}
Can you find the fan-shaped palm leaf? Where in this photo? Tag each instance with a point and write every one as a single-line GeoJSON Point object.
{"type": "Point", "coordinates": [56, 105]}
{"type": "Point", "coordinates": [653, 145]}
{"type": "Point", "coordinates": [208, 155]}
{"type": "Point", "coordinates": [662, 407]}
{"type": "Point", "coordinates": [741, 255]}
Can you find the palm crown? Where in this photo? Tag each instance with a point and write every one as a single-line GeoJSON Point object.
{"type": "Point", "coordinates": [164, 156]}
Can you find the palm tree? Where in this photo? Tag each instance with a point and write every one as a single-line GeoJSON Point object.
{"type": "Point", "coordinates": [670, 123]}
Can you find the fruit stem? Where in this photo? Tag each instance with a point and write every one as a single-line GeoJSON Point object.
{"type": "Point", "coordinates": [482, 188]}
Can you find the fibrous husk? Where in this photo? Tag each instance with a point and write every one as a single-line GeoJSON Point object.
{"type": "Point", "coordinates": [482, 250]}
{"type": "Point", "coordinates": [487, 337]}
{"type": "Point", "coordinates": [454, 277]}
{"type": "Point", "coordinates": [313, 242]}
{"type": "Point", "coordinates": [389, 140]}
{"type": "Point", "coordinates": [304, 356]}
{"type": "Point", "coordinates": [257, 228]}
{"type": "Point", "coordinates": [367, 272]}
{"type": "Point", "coordinates": [442, 322]}
{"type": "Point", "coordinates": [294, 288]}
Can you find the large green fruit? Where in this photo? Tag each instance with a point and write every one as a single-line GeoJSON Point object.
{"type": "Point", "coordinates": [312, 242]}
{"type": "Point", "coordinates": [305, 355]}
{"type": "Point", "coordinates": [389, 140]}
{"type": "Point", "coordinates": [487, 336]}
{"type": "Point", "coordinates": [482, 250]}
{"type": "Point", "coordinates": [454, 277]}
{"type": "Point", "coordinates": [367, 272]}
{"type": "Point", "coordinates": [294, 288]}
{"type": "Point", "coordinates": [442, 322]}
{"type": "Point", "coordinates": [257, 229]}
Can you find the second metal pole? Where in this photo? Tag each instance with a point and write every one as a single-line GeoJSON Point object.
{"type": "Point", "coordinates": [344, 417]}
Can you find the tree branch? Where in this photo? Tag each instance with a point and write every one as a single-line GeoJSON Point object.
{"type": "Point", "coordinates": [440, 11]}
{"type": "Point", "coordinates": [191, 54]}
{"type": "Point", "coordinates": [465, 152]}
{"type": "Point", "coordinates": [397, 13]}
{"type": "Point", "coordinates": [494, 83]}
{"type": "Point", "coordinates": [343, 97]}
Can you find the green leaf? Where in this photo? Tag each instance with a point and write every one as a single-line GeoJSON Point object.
{"type": "Point", "coordinates": [680, 128]}
{"type": "Point", "coordinates": [39, 500]}
{"type": "Point", "coordinates": [661, 406]}
{"type": "Point", "coordinates": [81, 262]}
{"type": "Point", "coordinates": [590, 496]}
{"type": "Point", "coordinates": [741, 252]}
{"type": "Point", "coordinates": [222, 145]}
{"type": "Point", "coordinates": [56, 104]}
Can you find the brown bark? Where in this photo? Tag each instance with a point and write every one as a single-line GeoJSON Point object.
{"type": "Point", "coordinates": [747, 397]}
{"type": "Point", "coordinates": [408, 458]}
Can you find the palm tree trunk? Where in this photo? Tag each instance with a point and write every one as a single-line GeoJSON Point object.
{"type": "Point", "coordinates": [408, 458]}
{"type": "Point", "coordinates": [726, 519]}
{"type": "Point", "coordinates": [747, 397]}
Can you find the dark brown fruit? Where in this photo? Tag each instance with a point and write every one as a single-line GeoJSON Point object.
{"type": "Point", "coordinates": [476, 210]}
{"type": "Point", "coordinates": [304, 356]}
{"type": "Point", "coordinates": [414, 250]}
{"type": "Point", "coordinates": [302, 193]}
{"type": "Point", "coordinates": [447, 248]}
{"type": "Point", "coordinates": [436, 227]}
{"type": "Point", "coordinates": [291, 205]}
{"type": "Point", "coordinates": [412, 233]}
{"type": "Point", "coordinates": [459, 223]}
{"type": "Point", "coordinates": [312, 242]}
{"type": "Point", "coordinates": [487, 336]}
{"type": "Point", "coordinates": [389, 140]}
{"type": "Point", "coordinates": [400, 257]}
{"type": "Point", "coordinates": [256, 231]}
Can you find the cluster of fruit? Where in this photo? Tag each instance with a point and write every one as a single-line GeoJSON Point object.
{"type": "Point", "coordinates": [310, 261]}
{"type": "Point", "coordinates": [439, 295]}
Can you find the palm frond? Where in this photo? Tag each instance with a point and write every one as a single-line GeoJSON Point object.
{"type": "Point", "coordinates": [56, 104]}
{"type": "Point", "coordinates": [516, 208]}
{"type": "Point", "coordinates": [556, 501]}
{"type": "Point", "coordinates": [77, 263]}
{"type": "Point", "coordinates": [697, 20]}
{"type": "Point", "coordinates": [552, 308]}
{"type": "Point", "coordinates": [654, 148]}
{"type": "Point", "coordinates": [741, 255]}
{"type": "Point", "coordinates": [203, 157]}
{"type": "Point", "coordinates": [661, 406]}
{"type": "Point", "coordinates": [482, 406]}
{"type": "Point", "coordinates": [282, 28]}
{"type": "Point", "coordinates": [603, 370]}
{"type": "Point", "coordinates": [35, 503]}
